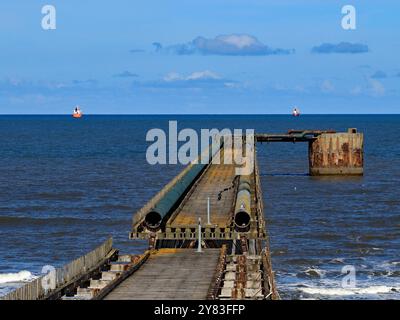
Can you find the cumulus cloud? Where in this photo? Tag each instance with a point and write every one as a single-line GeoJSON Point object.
{"type": "Point", "coordinates": [342, 47]}
{"type": "Point", "coordinates": [126, 74]}
{"type": "Point", "coordinates": [379, 75]}
{"type": "Point", "coordinates": [227, 45]}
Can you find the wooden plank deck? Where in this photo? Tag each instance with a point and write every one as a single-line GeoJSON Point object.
{"type": "Point", "coordinates": [216, 178]}
{"type": "Point", "coordinates": [181, 274]}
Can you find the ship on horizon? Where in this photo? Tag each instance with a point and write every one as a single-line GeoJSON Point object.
{"type": "Point", "coordinates": [295, 112]}
{"type": "Point", "coordinates": [77, 112]}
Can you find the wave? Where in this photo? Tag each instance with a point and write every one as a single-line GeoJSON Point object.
{"type": "Point", "coordinates": [58, 196]}
{"type": "Point", "coordinates": [337, 261]}
{"type": "Point", "coordinates": [22, 276]}
{"type": "Point", "coordinates": [389, 264]}
{"type": "Point", "coordinates": [349, 291]}
{"type": "Point", "coordinates": [312, 273]}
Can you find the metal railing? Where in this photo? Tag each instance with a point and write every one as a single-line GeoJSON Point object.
{"type": "Point", "coordinates": [44, 285]}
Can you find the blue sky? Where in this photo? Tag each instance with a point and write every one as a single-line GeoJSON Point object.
{"type": "Point", "coordinates": [204, 56]}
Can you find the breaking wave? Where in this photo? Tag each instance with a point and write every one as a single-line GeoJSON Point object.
{"type": "Point", "coordinates": [22, 276]}
{"type": "Point", "coordinates": [373, 290]}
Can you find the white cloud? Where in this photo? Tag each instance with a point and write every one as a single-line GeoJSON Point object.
{"type": "Point", "coordinates": [238, 40]}
{"type": "Point", "coordinates": [203, 75]}
{"type": "Point", "coordinates": [230, 45]}
{"type": "Point", "coordinates": [195, 76]}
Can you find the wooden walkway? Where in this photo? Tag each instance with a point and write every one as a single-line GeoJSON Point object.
{"type": "Point", "coordinates": [180, 274]}
{"type": "Point", "coordinates": [216, 178]}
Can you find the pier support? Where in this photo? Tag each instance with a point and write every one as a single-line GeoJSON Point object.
{"type": "Point", "coordinates": [337, 154]}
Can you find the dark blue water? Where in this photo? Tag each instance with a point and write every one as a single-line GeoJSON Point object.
{"type": "Point", "coordinates": [65, 185]}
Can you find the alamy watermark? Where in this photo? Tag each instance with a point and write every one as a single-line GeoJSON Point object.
{"type": "Point", "coordinates": [49, 22]}
{"type": "Point", "coordinates": [49, 280]}
{"type": "Point", "coordinates": [349, 278]}
{"type": "Point", "coordinates": [49, 19]}
{"type": "Point", "coordinates": [238, 147]}
{"type": "Point", "coordinates": [349, 18]}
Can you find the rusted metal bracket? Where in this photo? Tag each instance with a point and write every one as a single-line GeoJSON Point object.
{"type": "Point", "coordinates": [152, 241]}
{"type": "Point", "coordinates": [216, 284]}
{"type": "Point", "coordinates": [244, 244]}
{"type": "Point", "coordinates": [238, 291]}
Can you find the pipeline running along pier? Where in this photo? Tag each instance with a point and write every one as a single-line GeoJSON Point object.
{"type": "Point", "coordinates": [206, 232]}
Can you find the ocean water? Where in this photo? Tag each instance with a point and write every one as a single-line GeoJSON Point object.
{"type": "Point", "coordinates": [65, 185]}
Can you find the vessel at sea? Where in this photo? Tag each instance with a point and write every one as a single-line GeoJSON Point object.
{"type": "Point", "coordinates": [77, 112]}
{"type": "Point", "coordinates": [295, 112]}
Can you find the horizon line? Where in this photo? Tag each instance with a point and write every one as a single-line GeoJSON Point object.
{"type": "Point", "coordinates": [198, 114]}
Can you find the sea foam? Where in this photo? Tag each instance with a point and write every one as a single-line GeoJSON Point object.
{"type": "Point", "coordinates": [21, 276]}
{"type": "Point", "coordinates": [349, 291]}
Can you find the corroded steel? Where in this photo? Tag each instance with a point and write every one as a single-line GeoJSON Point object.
{"type": "Point", "coordinates": [244, 244]}
{"type": "Point", "coordinates": [215, 286]}
{"type": "Point", "coordinates": [269, 285]}
{"type": "Point", "coordinates": [337, 154]}
{"type": "Point", "coordinates": [291, 136]}
{"type": "Point", "coordinates": [238, 291]}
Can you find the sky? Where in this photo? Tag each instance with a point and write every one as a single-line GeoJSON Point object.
{"type": "Point", "coordinates": [199, 57]}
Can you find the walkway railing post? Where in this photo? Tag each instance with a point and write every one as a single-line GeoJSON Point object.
{"type": "Point", "coordinates": [199, 237]}
{"type": "Point", "coordinates": [208, 211]}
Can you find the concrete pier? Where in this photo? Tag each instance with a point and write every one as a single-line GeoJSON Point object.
{"type": "Point", "coordinates": [337, 154]}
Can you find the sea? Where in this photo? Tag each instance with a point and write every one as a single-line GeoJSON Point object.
{"type": "Point", "coordinates": [67, 184]}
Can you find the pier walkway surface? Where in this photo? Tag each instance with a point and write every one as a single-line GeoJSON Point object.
{"type": "Point", "coordinates": [180, 274]}
{"type": "Point", "coordinates": [211, 185]}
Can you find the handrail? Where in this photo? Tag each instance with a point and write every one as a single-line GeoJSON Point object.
{"type": "Point", "coordinates": [37, 289]}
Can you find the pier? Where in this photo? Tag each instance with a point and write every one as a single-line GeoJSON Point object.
{"type": "Point", "coordinates": [206, 232]}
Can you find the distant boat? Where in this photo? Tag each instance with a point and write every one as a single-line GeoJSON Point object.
{"type": "Point", "coordinates": [295, 112]}
{"type": "Point", "coordinates": [77, 112]}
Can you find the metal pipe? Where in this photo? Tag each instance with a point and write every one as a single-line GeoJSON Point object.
{"type": "Point", "coordinates": [242, 213]}
{"type": "Point", "coordinates": [160, 212]}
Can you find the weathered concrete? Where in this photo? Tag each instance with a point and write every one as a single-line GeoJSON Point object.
{"type": "Point", "coordinates": [337, 154]}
